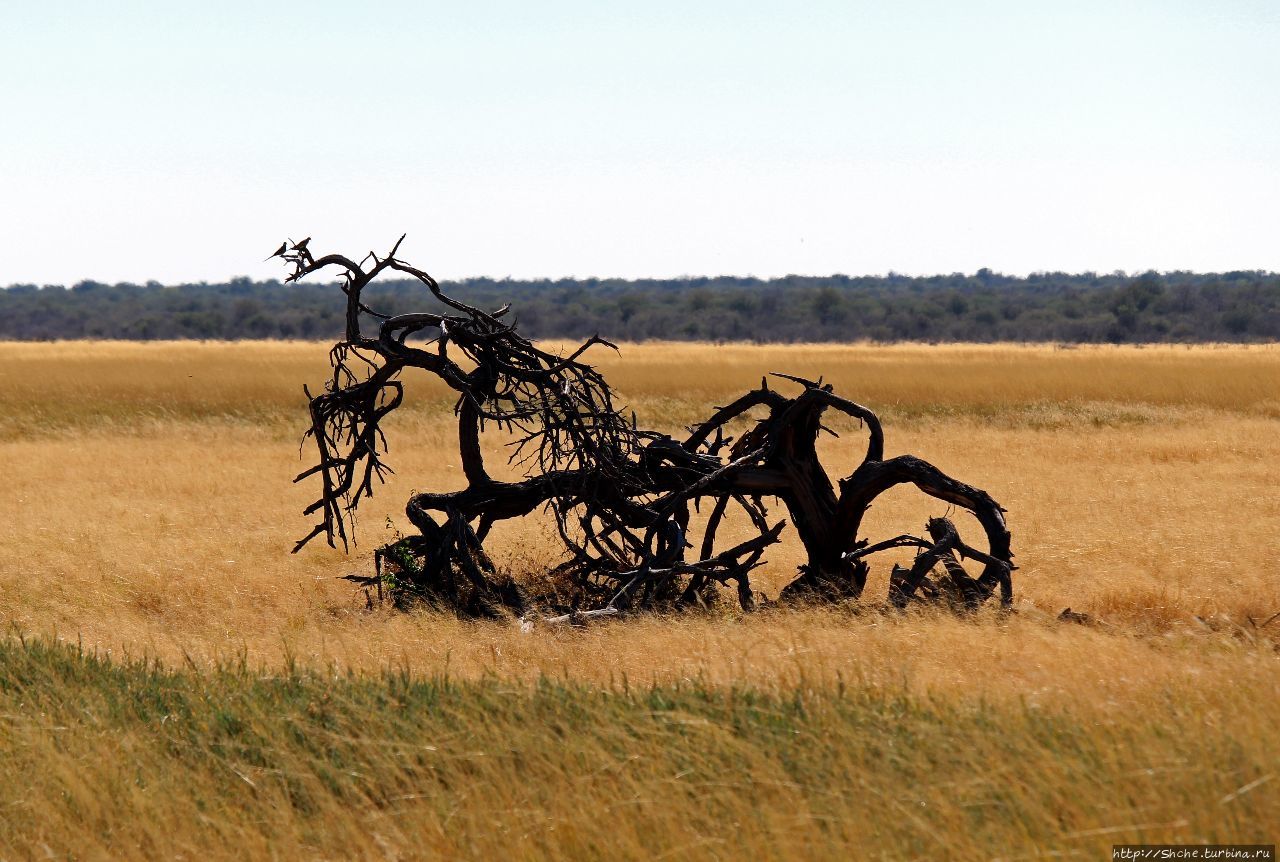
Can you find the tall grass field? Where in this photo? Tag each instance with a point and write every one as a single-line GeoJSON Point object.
{"type": "Point", "coordinates": [175, 684]}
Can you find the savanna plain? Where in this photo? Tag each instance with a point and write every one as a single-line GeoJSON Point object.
{"type": "Point", "coordinates": [175, 684]}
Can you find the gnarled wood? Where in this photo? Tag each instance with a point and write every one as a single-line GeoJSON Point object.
{"type": "Point", "coordinates": [620, 495]}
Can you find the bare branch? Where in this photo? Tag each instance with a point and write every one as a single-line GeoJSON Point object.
{"type": "Point", "coordinates": [619, 495]}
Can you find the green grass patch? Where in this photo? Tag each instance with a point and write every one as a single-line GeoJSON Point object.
{"type": "Point", "coordinates": [102, 757]}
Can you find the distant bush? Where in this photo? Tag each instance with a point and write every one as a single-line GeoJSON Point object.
{"type": "Point", "coordinates": [986, 306]}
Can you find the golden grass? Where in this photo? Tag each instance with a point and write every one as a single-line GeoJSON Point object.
{"type": "Point", "coordinates": [118, 761]}
{"type": "Point", "coordinates": [101, 385]}
{"type": "Point", "coordinates": [147, 507]}
{"type": "Point", "coordinates": [157, 509]}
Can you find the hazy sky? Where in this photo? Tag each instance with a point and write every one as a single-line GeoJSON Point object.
{"type": "Point", "coordinates": [183, 141]}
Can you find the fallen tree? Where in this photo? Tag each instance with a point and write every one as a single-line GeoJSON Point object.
{"type": "Point", "coordinates": [620, 496]}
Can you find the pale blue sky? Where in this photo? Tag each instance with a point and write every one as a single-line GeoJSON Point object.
{"type": "Point", "coordinates": [176, 141]}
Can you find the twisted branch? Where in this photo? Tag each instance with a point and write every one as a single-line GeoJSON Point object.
{"type": "Point", "coordinates": [620, 496]}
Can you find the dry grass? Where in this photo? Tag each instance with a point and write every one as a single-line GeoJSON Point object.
{"type": "Point", "coordinates": [104, 761]}
{"type": "Point", "coordinates": [148, 499]}
{"type": "Point", "coordinates": [104, 385]}
{"type": "Point", "coordinates": [147, 507]}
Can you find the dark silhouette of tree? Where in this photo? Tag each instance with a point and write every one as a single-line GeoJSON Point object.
{"type": "Point", "coordinates": [620, 496]}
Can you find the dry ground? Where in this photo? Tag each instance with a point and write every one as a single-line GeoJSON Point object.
{"type": "Point", "coordinates": [148, 504]}
{"type": "Point", "coordinates": [147, 509]}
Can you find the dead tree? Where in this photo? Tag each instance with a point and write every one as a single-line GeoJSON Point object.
{"type": "Point", "coordinates": [620, 496]}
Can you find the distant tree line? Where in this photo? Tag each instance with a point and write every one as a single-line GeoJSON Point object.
{"type": "Point", "coordinates": [984, 306]}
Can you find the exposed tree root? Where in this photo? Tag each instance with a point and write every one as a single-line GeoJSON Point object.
{"type": "Point", "coordinates": [620, 496]}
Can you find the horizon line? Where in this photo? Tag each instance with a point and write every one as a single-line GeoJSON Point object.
{"type": "Point", "coordinates": [991, 273]}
